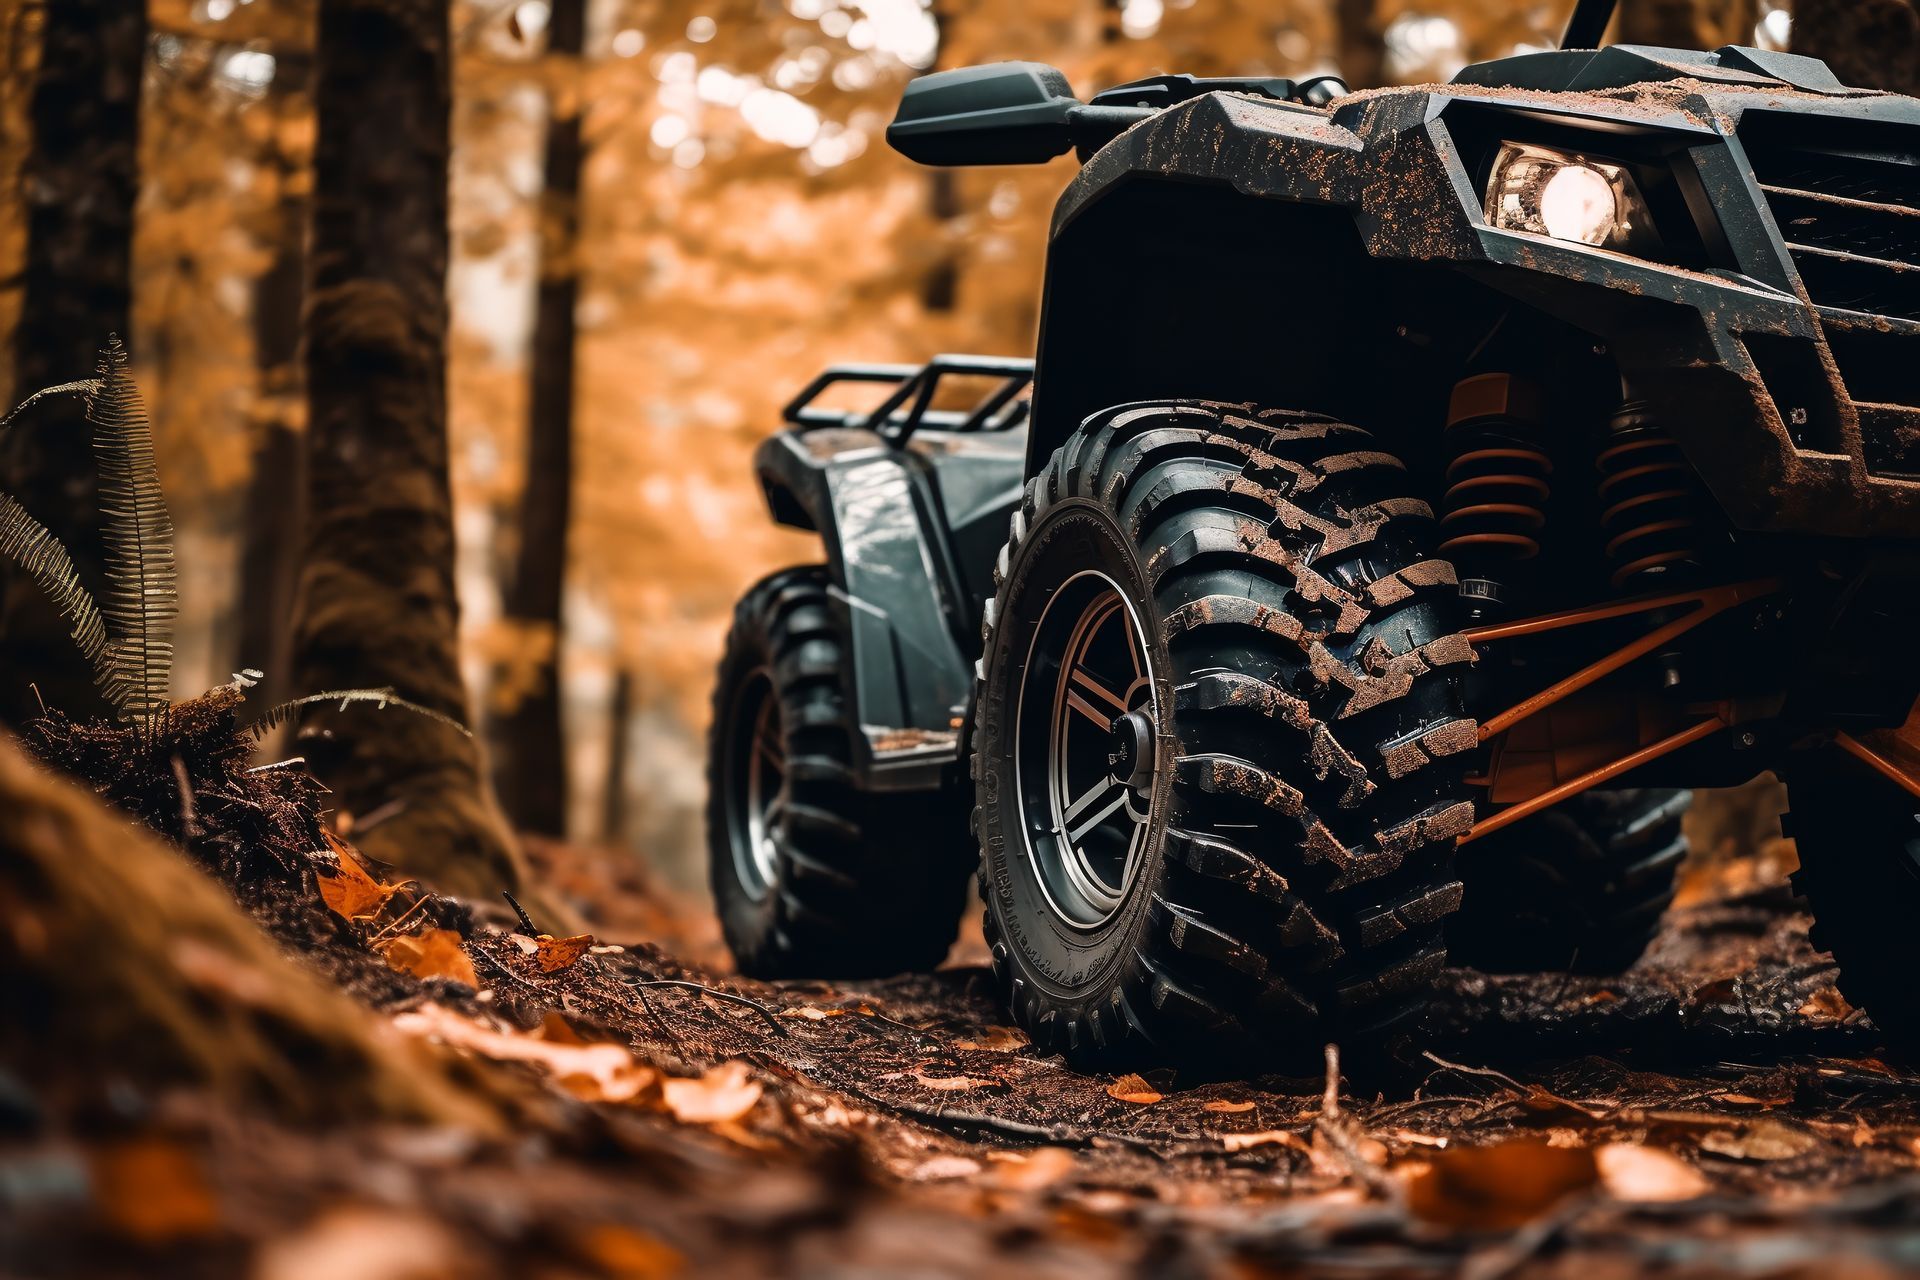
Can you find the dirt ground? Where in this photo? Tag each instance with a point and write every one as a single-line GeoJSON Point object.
{"type": "Point", "coordinates": [1719, 1110]}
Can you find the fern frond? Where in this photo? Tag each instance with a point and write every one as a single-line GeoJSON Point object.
{"type": "Point", "coordinates": [379, 698]}
{"type": "Point", "coordinates": [142, 599]}
{"type": "Point", "coordinates": [33, 547]}
{"type": "Point", "coordinates": [86, 385]}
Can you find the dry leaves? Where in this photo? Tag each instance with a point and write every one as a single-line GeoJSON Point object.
{"type": "Point", "coordinates": [1498, 1188]}
{"type": "Point", "coordinates": [1647, 1174]}
{"type": "Point", "coordinates": [996, 1040]}
{"type": "Point", "coordinates": [153, 1190]}
{"type": "Point", "coordinates": [434, 953]}
{"type": "Point", "coordinates": [957, 1084]}
{"type": "Point", "coordinates": [592, 1072]}
{"type": "Point", "coordinates": [1033, 1170]}
{"type": "Point", "coordinates": [1134, 1089]}
{"type": "Point", "coordinates": [554, 954]}
{"type": "Point", "coordinates": [1227, 1108]}
{"type": "Point", "coordinates": [1268, 1137]}
{"type": "Point", "coordinates": [722, 1095]}
{"type": "Point", "coordinates": [349, 891]}
{"type": "Point", "coordinates": [1760, 1139]}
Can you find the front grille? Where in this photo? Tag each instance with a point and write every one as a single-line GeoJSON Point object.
{"type": "Point", "coordinates": [1845, 194]}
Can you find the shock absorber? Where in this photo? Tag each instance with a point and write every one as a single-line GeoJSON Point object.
{"type": "Point", "coordinates": [1653, 511]}
{"type": "Point", "coordinates": [1497, 484]}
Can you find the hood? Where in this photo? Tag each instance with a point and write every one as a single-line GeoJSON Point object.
{"type": "Point", "coordinates": [1622, 66]}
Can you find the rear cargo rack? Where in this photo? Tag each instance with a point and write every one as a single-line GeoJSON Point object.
{"type": "Point", "coordinates": [906, 408]}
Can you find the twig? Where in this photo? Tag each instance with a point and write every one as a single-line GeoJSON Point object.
{"type": "Point", "coordinates": [1057, 1135]}
{"type": "Point", "coordinates": [729, 996]}
{"type": "Point", "coordinates": [1485, 1072]}
{"type": "Point", "coordinates": [401, 919]}
{"type": "Point", "coordinates": [1330, 1097]}
{"type": "Point", "coordinates": [189, 821]}
{"type": "Point", "coordinates": [526, 922]}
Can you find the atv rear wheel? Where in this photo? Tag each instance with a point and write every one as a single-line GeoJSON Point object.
{"type": "Point", "coordinates": [1579, 888]}
{"type": "Point", "coordinates": [812, 875]}
{"type": "Point", "coordinates": [1218, 741]}
{"type": "Point", "coordinates": [1858, 835]}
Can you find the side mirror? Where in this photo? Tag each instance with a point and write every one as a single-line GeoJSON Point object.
{"type": "Point", "coordinates": [1001, 113]}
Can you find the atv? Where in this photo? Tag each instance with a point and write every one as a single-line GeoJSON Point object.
{"type": "Point", "coordinates": [1413, 491]}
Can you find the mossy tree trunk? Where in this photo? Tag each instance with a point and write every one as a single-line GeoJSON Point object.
{"type": "Point", "coordinates": [529, 747]}
{"type": "Point", "coordinates": [377, 602]}
{"type": "Point", "coordinates": [1874, 44]}
{"type": "Point", "coordinates": [79, 181]}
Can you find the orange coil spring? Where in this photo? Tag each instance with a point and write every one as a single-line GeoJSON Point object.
{"type": "Point", "coordinates": [1496, 500]}
{"type": "Point", "coordinates": [1651, 503]}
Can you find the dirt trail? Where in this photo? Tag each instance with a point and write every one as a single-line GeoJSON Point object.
{"type": "Point", "coordinates": [1717, 1111]}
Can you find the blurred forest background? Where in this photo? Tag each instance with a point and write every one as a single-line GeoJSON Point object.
{"type": "Point", "coordinates": [666, 216]}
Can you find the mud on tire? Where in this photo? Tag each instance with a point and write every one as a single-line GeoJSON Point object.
{"type": "Point", "coordinates": [1310, 781]}
{"type": "Point", "coordinates": [846, 883]}
{"type": "Point", "coordinates": [1579, 888]}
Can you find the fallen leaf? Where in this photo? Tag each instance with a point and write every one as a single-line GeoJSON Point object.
{"type": "Point", "coordinates": [812, 1014]}
{"type": "Point", "coordinates": [956, 1084]}
{"type": "Point", "coordinates": [554, 954]}
{"type": "Point", "coordinates": [1269, 1137]}
{"type": "Point", "coordinates": [1134, 1089]}
{"type": "Point", "coordinates": [997, 1040]}
{"type": "Point", "coordinates": [723, 1094]}
{"type": "Point", "coordinates": [592, 1072]}
{"type": "Point", "coordinates": [1759, 1140]}
{"type": "Point", "coordinates": [348, 890]}
{"type": "Point", "coordinates": [434, 953]}
{"type": "Point", "coordinates": [1031, 1171]}
{"type": "Point", "coordinates": [1227, 1108]}
{"type": "Point", "coordinates": [1827, 1003]}
{"type": "Point", "coordinates": [945, 1168]}
{"type": "Point", "coordinates": [153, 1190]}
{"type": "Point", "coordinates": [628, 1253]}
{"type": "Point", "coordinates": [368, 1244]}
{"type": "Point", "coordinates": [1498, 1188]}
{"type": "Point", "coordinates": [1647, 1174]}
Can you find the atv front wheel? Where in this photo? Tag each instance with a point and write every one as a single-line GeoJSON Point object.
{"type": "Point", "coordinates": [1579, 888]}
{"type": "Point", "coordinates": [1216, 751]}
{"type": "Point", "coordinates": [1858, 835]}
{"type": "Point", "coordinates": [812, 875]}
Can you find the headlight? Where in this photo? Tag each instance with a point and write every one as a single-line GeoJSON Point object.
{"type": "Point", "coordinates": [1567, 197]}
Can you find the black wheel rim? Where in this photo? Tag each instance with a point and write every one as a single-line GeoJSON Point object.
{"type": "Point", "coordinates": [756, 783]}
{"type": "Point", "coordinates": [1084, 749]}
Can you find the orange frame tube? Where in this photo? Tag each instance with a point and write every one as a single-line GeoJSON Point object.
{"type": "Point", "coordinates": [1709, 603]}
{"type": "Point", "coordinates": [1860, 750]}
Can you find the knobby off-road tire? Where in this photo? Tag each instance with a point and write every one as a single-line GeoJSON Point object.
{"type": "Point", "coordinates": [1858, 836]}
{"type": "Point", "coordinates": [1579, 888]}
{"type": "Point", "coordinates": [1304, 679]}
{"type": "Point", "coordinates": [813, 876]}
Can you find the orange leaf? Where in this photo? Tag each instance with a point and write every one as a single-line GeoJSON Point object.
{"type": "Point", "coordinates": [554, 954]}
{"type": "Point", "coordinates": [1134, 1089]}
{"type": "Point", "coordinates": [434, 953]}
{"type": "Point", "coordinates": [154, 1191]}
{"type": "Point", "coordinates": [723, 1094]}
{"type": "Point", "coordinates": [631, 1254]}
{"type": "Point", "coordinates": [593, 1072]}
{"type": "Point", "coordinates": [349, 891]}
{"type": "Point", "coordinates": [1498, 1188]}
{"type": "Point", "coordinates": [954, 1084]}
{"type": "Point", "coordinates": [1227, 1108]}
{"type": "Point", "coordinates": [1270, 1137]}
{"type": "Point", "coordinates": [1644, 1174]}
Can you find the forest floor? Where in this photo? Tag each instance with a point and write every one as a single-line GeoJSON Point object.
{"type": "Point", "coordinates": [1718, 1110]}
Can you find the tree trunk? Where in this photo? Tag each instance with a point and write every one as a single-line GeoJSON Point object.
{"type": "Point", "coordinates": [613, 803]}
{"type": "Point", "coordinates": [377, 604]}
{"type": "Point", "coordinates": [276, 491]}
{"type": "Point", "coordinates": [1871, 44]}
{"type": "Point", "coordinates": [80, 179]}
{"type": "Point", "coordinates": [529, 745]}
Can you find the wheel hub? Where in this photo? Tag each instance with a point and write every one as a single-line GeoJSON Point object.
{"type": "Point", "coordinates": [1131, 752]}
{"type": "Point", "coordinates": [1086, 751]}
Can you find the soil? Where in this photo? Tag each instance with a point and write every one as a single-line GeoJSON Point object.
{"type": "Point", "coordinates": [1718, 1110]}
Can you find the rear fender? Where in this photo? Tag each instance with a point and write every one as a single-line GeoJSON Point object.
{"type": "Point", "coordinates": [878, 517]}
